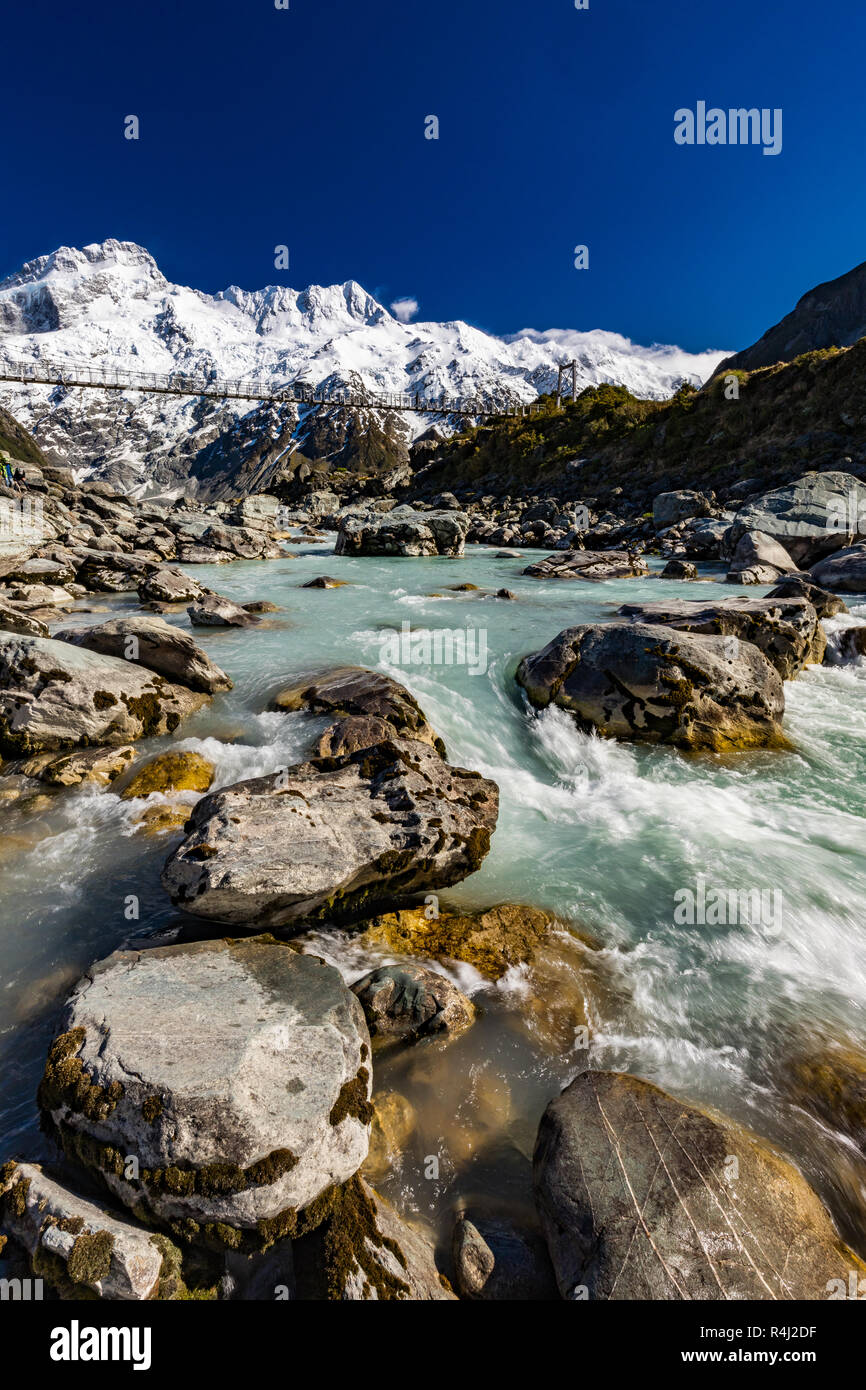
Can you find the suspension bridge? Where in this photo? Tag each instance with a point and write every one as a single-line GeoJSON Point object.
{"type": "Point", "coordinates": [105, 378]}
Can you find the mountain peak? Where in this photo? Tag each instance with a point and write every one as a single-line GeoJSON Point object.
{"type": "Point", "coordinates": [109, 303]}
{"type": "Point", "coordinates": [338, 301]}
{"type": "Point", "coordinates": [71, 261]}
{"type": "Point", "coordinates": [832, 314]}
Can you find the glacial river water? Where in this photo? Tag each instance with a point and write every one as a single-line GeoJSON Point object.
{"type": "Point", "coordinates": [611, 837]}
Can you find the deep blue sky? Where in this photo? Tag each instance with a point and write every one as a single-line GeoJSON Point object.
{"type": "Point", "coordinates": [306, 127]}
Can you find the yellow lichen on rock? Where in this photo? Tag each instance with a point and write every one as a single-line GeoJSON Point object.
{"type": "Point", "coordinates": [160, 820]}
{"type": "Point", "coordinates": [492, 940]}
{"type": "Point", "coordinates": [171, 772]}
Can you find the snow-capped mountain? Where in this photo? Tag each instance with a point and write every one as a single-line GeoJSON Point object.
{"type": "Point", "coordinates": [109, 304]}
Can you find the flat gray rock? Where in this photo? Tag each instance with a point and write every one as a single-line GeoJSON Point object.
{"type": "Point", "coordinates": [55, 696]}
{"type": "Point", "coordinates": [642, 1196]}
{"type": "Point", "coordinates": [156, 644]}
{"type": "Point", "coordinates": [592, 566]}
{"type": "Point", "coordinates": [332, 837]}
{"type": "Point", "coordinates": [237, 1073]}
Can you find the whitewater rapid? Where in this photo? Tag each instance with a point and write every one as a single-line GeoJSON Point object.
{"type": "Point", "coordinates": [609, 837]}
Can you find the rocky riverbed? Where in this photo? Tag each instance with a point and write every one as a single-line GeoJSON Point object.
{"type": "Point", "coordinates": [340, 960]}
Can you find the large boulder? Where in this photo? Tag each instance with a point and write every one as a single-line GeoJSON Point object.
{"type": "Point", "coordinates": [156, 644]}
{"type": "Point", "coordinates": [236, 1073]}
{"type": "Point", "coordinates": [402, 532]}
{"type": "Point", "coordinates": [844, 572]}
{"type": "Point", "coordinates": [169, 585]}
{"type": "Point", "coordinates": [55, 696]}
{"type": "Point", "coordinates": [811, 517]}
{"type": "Point", "coordinates": [386, 707]}
{"type": "Point", "coordinates": [77, 1245]}
{"type": "Point", "coordinates": [759, 559]}
{"type": "Point", "coordinates": [592, 566]}
{"type": "Point", "coordinates": [333, 836]}
{"type": "Point", "coordinates": [644, 1197]}
{"type": "Point", "coordinates": [787, 631]}
{"type": "Point", "coordinates": [671, 507]}
{"type": "Point", "coordinates": [659, 685]}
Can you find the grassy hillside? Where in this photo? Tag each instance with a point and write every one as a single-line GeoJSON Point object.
{"type": "Point", "coordinates": [787, 419]}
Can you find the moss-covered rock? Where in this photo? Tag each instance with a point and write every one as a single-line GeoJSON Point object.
{"type": "Point", "coordinates": [829, 1080]}
{"type": "Point", "coordinates": [171, 772]}
{"type": "Point", "coordinates": [79, 1246]}
{"type": "Point", "coordinates": [365, 1251]}
{"type": "Point", "coordinates": [163, 820]}
{"type": "Point", "coordinates": [492, 940]}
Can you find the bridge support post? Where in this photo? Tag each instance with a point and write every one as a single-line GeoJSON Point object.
{"type": "Point", "coordinates": [566, 370]}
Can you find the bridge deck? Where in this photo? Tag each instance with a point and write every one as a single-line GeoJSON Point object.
{"type": "Point", "coordinates": [224, 388]}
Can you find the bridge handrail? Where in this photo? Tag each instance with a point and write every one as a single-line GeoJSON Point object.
{"type": "Point", "coordinates": [48, 372]}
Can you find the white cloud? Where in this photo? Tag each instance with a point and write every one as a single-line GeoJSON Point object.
{"type": "Point", "coordinates": [597, 343]}
{"type": "Point", "coordinates": [404, 309]}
